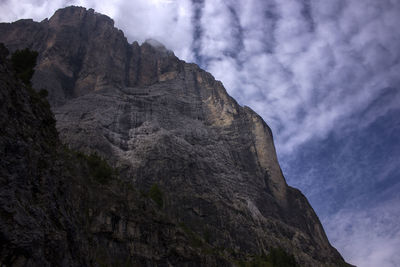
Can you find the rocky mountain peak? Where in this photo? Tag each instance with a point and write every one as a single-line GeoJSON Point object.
{"type": "Point", "coordinates": [81, 51]}
{"type": "Point", "coordinates": [166, 123]}
{"type": "Point", "coordinates": [75, 16]}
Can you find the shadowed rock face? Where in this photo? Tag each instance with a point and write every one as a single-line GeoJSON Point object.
{"type": "Point", "coordinates": [55, 212]}
{"type": "Point", "coordinates": [162, 121]}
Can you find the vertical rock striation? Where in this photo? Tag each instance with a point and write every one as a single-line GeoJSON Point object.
{"type": "Point", "coordinates": [162, 121]}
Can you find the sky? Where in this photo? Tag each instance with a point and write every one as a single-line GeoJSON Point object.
{"type": "Point", "coordinates": [324, 75]}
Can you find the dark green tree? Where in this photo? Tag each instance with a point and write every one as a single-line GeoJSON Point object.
{"type": "Point", "coordinates": [156, 194]}
{"type": "Point", "coordinates": [24, 62]}
{"type": "Point", "coordinates": [279, 257]}
{"type": "Point", "coordinates": [3, 52]}
{"type": "Point", "coordinates": [99, 168]}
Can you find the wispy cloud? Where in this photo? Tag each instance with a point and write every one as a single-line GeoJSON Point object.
{"type": "Point", "coordinates": [315, 71]}
{"type": "Point", "coordinates": [352, 180]}
{"type": "Point", "coordinates": [305, 66]}
{"type": "Point", "coordinates": [368, 238]}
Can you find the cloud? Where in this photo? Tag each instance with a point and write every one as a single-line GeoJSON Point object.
{"type": "Point", "coordinates": [351, 179]}
{"type": "Point", "coordinates": [305, 66]}
{"type": "Point", "coordinates": [11, 10]}
{"type": "Point", "coordinates": [166, 21]}
{"type": "Point", "coordinates": [368, 238]}
{"type": "Point", "coordinates": [317, 72]}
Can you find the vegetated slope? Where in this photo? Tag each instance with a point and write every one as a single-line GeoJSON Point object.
{"type": "Point", "coordinates": [161, 121]}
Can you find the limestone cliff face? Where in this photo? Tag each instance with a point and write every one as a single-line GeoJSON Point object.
{"type": "Point", "coordinates": [162, 121]}
{"type": "Point", "coordinates": [55, 211]}
{"type": "Point", "coordinates": [82, 52]}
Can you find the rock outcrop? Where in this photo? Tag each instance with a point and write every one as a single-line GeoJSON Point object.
{"type": "Point", "coordinates": [56, 209]}
{"type": "Point", "coordinates": [161, 121]}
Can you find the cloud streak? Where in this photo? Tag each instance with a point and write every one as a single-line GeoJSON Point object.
{"type": "Point", "coordinates": [376, 231]}
{"type": "Point", "coordinates": [305, 66]}
{"type": "Point", "coordinates": [320, 73]}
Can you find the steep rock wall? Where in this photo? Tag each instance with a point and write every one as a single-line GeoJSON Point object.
{"type": "Point", "coordinates": [162, 121]}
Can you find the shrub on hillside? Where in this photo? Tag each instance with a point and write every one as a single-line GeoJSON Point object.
{"type": "Point", "coordinates": [156, 195]}
{"type": "Point", "coordinates": [24, 62]}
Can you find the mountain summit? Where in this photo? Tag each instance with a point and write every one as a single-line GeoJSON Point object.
{"type": "Point", "coordinates": [173, 134]}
